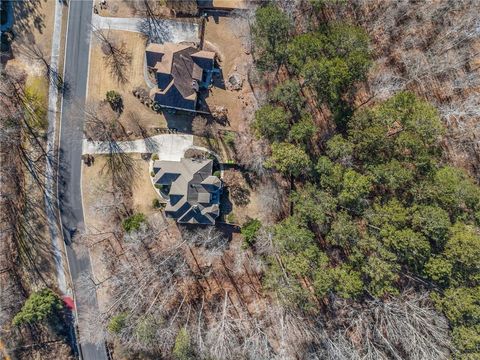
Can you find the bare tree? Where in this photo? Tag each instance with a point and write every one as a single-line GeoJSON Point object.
{"type": "Point", "coordinates": [251, 152]}
{"type": "Point", "coordinates": [402, 328]}
{"type": "Point", "coordinates": [221, 338]}
{"type": "Point", "coordinates": [200, 126]}
{"type": "Point", "coordinates": [273, 197]}
{"type": "Point", "coordinates": [116, 56]}
{"type": "Point", "coordinates": [101, 124]}
{"type": "Point", "coordinates": [213, 240]}
{"type": "Point", "coordinates": [36, 53]}
{"type": "Point", "coordinates": [237, 187]}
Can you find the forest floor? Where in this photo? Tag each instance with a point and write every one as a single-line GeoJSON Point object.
{"type": "Point", "coordinates": [33, 30]}
{"type": "Point", "coordinates": [126, 9]}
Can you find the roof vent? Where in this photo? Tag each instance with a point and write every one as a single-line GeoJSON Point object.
{"type": "Point", "coordinates": [195, 85]}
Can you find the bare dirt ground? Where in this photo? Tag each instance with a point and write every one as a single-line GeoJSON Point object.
{"type": "Point", "coordinates": [249, 206]}
{"type": "Point", "coordinates": [228, 38]}
{"type": "Point", "coordinates": [33, 26]}
{"type": "Point", "coordinates": [232, 4]}
{"type": "Point", "coordinates": [95, 185]}
{"type": "Point", "coordinates": [101, 80]}
{"type": "Point", "coordinates": [95, 180]}
{"type": "Point", "coordinates": [128, 8]}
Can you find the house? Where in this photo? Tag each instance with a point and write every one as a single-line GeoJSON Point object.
{"type": "Point", "coordinates": [181, 71]}
{"type": "Point", "coordinates": [191, 191]}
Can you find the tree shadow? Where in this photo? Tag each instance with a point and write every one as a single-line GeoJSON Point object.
{"type": "Point", "coordinates": [26, 14]}
{"type": "Point", "coordinates": [226, 206]}
{"type": "Point", "coordinates": [342, 112]}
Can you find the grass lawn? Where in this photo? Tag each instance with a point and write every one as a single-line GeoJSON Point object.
{"type": "Point", "coordinates": [101, 80]}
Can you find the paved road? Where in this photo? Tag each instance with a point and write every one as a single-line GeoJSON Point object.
{"type": "Point", "coordinates": [76, 75]}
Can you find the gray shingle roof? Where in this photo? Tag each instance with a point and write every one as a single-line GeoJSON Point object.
{"type": "Point", "coordinates": [194, 192]}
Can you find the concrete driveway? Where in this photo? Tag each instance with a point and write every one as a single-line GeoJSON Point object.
{"type": "Point", "coordinates": [158, 30]}
{"type": "Point", "coordinates": [168, 146]}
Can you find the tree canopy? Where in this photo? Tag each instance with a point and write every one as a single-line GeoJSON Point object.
{"type": "Point", "coordinates": [41, 306]}
{"type": "Point", "coordinates": [271, 31]}
{"type": "Point", "coordinates": [380, 204]}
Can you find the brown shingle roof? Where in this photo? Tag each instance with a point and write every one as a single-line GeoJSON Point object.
{"type": "Point", "coordinates": [178, 61]}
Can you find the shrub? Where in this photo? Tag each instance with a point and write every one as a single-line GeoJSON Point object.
{"type": "Point", "coordinates": [155, 203]}
{"type": "Point", "coordinates": [229, 138]}
{"type": "Point", "coordinates": [133, 222]}
{"type": "Point", "coordinates": [40, 306]}
{"type": "Point", "coordinates": [152, 173]}
{"type": "Point", "coordinates": [231, 218]}
{"type": "Point", "coordinates": [217, 173]}
{"type": "Point", "coordinates": [117, 323]}
{"type": "Point", "coordinates": [250, 230]}
{"type": "Point", "coordinates": [155, 157]}
{"type": "Point", "coordinates": [115, 100]}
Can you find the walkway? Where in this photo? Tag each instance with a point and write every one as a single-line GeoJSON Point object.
{"type": "Point", "coordinates": [50, 201]}
{"type": "Point", "coordinates": [159, 30]}
{"type": "Point", "coordinates": [168, 146]}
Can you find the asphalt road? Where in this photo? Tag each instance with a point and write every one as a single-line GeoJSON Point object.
{"type": "Point", "coordinates": [70, 199]}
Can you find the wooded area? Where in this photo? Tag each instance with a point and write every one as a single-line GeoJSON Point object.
{"type": "Point", "coordinates": [364, 151]}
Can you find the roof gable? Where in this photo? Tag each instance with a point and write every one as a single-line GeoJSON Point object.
{"type": "Point", "coordinates": [179, 73]}
{"type": "Point", "coordinates": [190, 200]}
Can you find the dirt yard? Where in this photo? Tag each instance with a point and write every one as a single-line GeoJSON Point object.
{"type": "Point", "coordinates": [33, 27]}
{"type": "Point", "coordinates": [34, 23]}
{"type": "Point", "coordinates": [94, 180]}
{"type": "Point", "coordinates": [228, 38]}
{"type": "Point", "coordinates": [243, 198]}
{"type": "Point", "coordinates": [128, 8]}
{"type": "Point", "coordinates": [101, 80]}
{"type": "Point", "coordinates": [95, 186]}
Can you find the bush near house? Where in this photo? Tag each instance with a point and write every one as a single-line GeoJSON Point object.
{"type": "Point", "coordinates": [231, 218]}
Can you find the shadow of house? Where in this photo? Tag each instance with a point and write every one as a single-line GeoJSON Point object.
{"type": "Point", "coordinates": [179, 120]}
{"type": "Point", "coordinates": [182, 72]}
